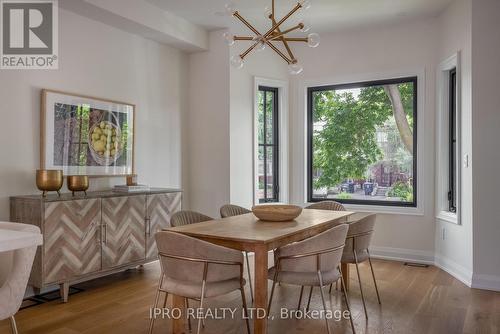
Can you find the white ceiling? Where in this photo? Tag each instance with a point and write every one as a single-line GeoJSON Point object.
{"type": "Point", "coordinates": [325, 15]}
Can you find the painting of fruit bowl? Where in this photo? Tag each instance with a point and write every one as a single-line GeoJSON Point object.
{"type": "Point", "coordinates": [87, 136]}
{"type": "Point", "coordinates": [105, 144]}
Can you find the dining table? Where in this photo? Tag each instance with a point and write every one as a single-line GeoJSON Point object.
{"type": "Point", "coordinates": [247, 233]}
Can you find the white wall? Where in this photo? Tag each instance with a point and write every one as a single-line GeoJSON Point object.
{"type": "Point", "coordinates": [454, 251]}
{"type": "Point", "coordinates": [485, 139]}
{"type": "Point", "coordinates": [97, 60]}
{"type": "Point", "coordinates": [380, 53]}
{"type": "Point", "coordinates": [207, 126]}
{"type": "Point", "coordinates": [264, 64]}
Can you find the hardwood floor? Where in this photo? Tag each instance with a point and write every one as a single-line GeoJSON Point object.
{"type": "Point", "coordinates": [414, 300]}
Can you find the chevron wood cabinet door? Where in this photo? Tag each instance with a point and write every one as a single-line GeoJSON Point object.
{"type": "Point", "coordinates": [71, 239]}
{"type": "Point", "coordinates": [123, 230]}
{"type": "Point", "coordinates": [160, 208]}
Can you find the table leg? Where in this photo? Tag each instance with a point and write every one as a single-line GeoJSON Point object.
{"type": "Point", "coordinates": [178, 325]}
{"type": "Point", "coordinates": [345, 273]}
{"type": "Point", "coordinates": [260, 298]}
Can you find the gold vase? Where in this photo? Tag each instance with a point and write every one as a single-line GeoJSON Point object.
{"type": "Point", "coordinates": [49, 180]}
{"type": "Point", "coordinates": [78, 183]}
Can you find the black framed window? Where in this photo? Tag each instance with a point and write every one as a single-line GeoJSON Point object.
{"type": "Point", "coordinates": [362, 142]}
{"type": "Point", "coordinates": [452, 133]}
{"type": "Point", "coordinates": [268, 145]}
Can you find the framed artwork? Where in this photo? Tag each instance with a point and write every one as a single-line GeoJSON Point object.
{"type": "Point", "coordinates": [84, 135]}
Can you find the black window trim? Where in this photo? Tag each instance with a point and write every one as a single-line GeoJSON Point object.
{"type": "Point", "coordinates": [275, 145]}
{"type": "Point", "coordinates": [311, 90]}
{"type": "Point", "coordinates": [452, 139]}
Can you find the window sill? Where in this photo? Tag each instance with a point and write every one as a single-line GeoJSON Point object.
{"type": "Point", "coordinates": [448, 217]}
{"type": "Point", "coordinates": [391, 210]}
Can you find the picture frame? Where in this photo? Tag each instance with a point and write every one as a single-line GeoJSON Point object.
{"type": "Point", "coordinates": [85, 135]}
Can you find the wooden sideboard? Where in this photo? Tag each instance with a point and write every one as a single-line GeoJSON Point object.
{"type": "Point", "coordinates": [85, 237]}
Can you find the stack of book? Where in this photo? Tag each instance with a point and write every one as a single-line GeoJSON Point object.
{"type": "Point", "coordinates": [131, 189]}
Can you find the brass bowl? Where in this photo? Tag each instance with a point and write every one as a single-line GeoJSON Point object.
{"type": "Point", "coordinates": [49, 180]}
{"type": "Point", "coordinates": [276, 212]}
{"type": "Point", "coordinates": [78, 183]}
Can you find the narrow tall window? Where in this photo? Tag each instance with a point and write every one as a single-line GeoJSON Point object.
{"type": "Point", "coordinates": [452, 162]}
{"type": "Point", "coordinates": [268, 156]}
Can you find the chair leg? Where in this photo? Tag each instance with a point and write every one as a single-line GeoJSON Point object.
{"type": "Point", "coordinates": [330, 290]}
{"type": "Point", "coordinates": [360, 285]}
{"type": "Point", "coordinates": [13, 325]}
{"type": "Point", "coordinates": [157, 297]}
{"type": "Point", "coordinates": [300, 297]}
{"type": "Point", "coordinates": [346, 300]}
{"type": "Point", "coordinates": [271, 298]}
{"type": "Point", "coordinates": [201, 305]}
{"type": "Point", "coordinates": [309, 299]}
{"type": "Point", "coordinates": [189, 318]}
{"type": "Point", "coordinates": [249, 276]}
{"type": "Point", "coordinates": [244, 300]}
{"type": "Point", "coordinates": [373, 275]}
{"type": "Point", "coordinates": [323, 299]}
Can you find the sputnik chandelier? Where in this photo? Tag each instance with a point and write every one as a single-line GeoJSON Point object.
{"type": "Point", "coordinates": [274, 35]}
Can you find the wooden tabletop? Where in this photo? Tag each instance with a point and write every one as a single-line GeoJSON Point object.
{"type": "Point", "coordinates": [243, 231]}
{"type": "Point", "coordinates": [12, 240]}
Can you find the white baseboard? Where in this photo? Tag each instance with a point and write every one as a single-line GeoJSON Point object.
{"type": "Point", "coordinates": [402, 254]}
{"type": "Point", "coordinates": [456, 270]}
{"type": "Point", "coordinates": [486, 282]}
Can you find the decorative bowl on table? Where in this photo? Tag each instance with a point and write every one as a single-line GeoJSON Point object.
{"type": "Point", "coordinates": [78, 183]}
{"type": "Point", "coordinates": [49, 180]}
{"type": "Point", "coordinates": [276, 212]}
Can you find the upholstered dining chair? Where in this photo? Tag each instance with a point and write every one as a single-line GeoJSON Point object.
{"type": "Point", "coordinates": [15, 268]}
{"type": "Point", "coordinates": [356, 249]}
{"type": "Point", "coordinates": [185, 217]}
{"type": "Point", "coordinates": [313, 262]}
{"type": "Point", "coordinates": [327, 205]}
{"type": "Point", "coordinates": [231, 210]}
{"type": "Point", "coordinates": [196, 269]}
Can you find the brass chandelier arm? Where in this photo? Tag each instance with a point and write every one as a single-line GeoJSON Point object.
{"type": "Point", "coordinates": [287, 39]}
{"type": "Point", "coordinates": [289, 61]}
{"type": "Point", "coordinates": [296, 39]}
{"type": "Point", "coordinates": [280, 22]}
{"type": "Point", "coordinates": [243, 38]}
{"type": "Point", "coordinates": [245, 22]}
{"type": "Point", "coordinates": [287, 47]}
{"type": "Point", "coordinates": [244, 54]}
{"type": "Point", "coordinates": [282, 33]}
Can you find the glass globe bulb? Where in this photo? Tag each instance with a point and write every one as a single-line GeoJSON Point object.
{"type": "Point", "coordinates": [229, 8]}
{"type": "Point", "coordinates": [261, 43]}
{"type": "Point", "coordinates": [237, 62]}
{"type": "Point", "coordinates": [305, 4]}
{"type": "Point", "coordinates": [268, 11]}
{"type": "Point", "coordinates": [228, 38]}
{"type": "Point", "coordinates": [313, 40]}
{"type": "Point", "coordinates": [306, 25]}
{"type": "Point", "coordinates": [295, 68]}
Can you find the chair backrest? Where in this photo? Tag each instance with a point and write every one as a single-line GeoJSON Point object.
{"type": "Point", "coordinates": [328, 245]}
{"type": "Point", "coordinates": [15, 269]}
{"type": "Point", "coordinates": [183, 258]}
{"type": "Point", "coordinates": [327, 205]}
{"type": "Point", "coordinates": [188, 217]}
{"type": "Point", "coordinates": [360, 234]}
{"type": "Point", "coordinates": [230, 210]}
